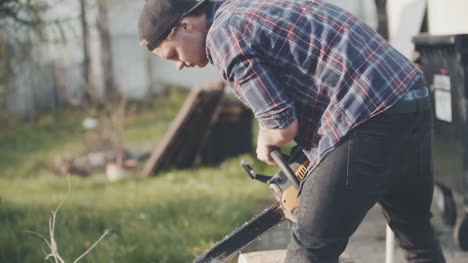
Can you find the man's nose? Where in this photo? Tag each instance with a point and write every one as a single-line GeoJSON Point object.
{"type": "Point", "coordinates": [179, 65]}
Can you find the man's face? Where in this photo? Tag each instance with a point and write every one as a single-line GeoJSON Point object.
{"type": "Point", "coordinates": [186, 48]}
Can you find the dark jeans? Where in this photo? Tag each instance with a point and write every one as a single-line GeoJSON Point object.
{"type": "Point", "coordinates": [386, 160]}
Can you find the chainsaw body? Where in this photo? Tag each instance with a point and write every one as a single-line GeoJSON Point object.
{"type": "Point", "coordinates": [282, 187]}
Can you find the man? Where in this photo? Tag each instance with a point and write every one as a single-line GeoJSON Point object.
{"type": "Point", "coordinates": [316, 74]}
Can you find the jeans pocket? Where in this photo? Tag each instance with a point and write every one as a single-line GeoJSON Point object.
{"type": "Point", "coordinates": [369, 163]}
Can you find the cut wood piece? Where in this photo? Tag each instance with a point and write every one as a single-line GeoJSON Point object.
{"type": "Point", "coordinates": [276, 256]}
{"type": "Point", "coordinates": [266, 256]}
{"type": "Point", "coordinates": [185, 135]}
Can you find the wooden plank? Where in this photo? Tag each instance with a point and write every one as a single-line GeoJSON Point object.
{"type": "Point", "coordinates": [154, 161]}
{"type": "Point", "coordinates": [276, 256]}
{"type": "Point", "coordinates": [266, 256]}
{"type": "Point", "coordinates": [190, 139]}
{"type": "Point", "coordinates": [182, 140]}
{"type": "Point", "coordinates": [231, 135]}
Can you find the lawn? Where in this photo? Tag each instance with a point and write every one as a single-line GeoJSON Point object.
{"type": "Point", "coordinates": [171, 217]}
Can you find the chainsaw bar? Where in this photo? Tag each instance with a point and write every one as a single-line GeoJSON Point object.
{"type": "Point", "coordinates": [243, 236]}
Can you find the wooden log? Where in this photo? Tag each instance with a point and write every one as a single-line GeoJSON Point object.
{"type": "Point", "coordinates": [276, 256]}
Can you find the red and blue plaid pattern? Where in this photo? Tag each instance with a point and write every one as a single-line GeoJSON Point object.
{"type": "Point", "coordinates": [306, 60]}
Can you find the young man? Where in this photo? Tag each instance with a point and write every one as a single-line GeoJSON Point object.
{"type": "Point", "coordinates": [316, 74]}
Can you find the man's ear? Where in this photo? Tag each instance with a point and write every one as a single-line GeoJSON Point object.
{"type": "Point", "coordinates": [186, 24]}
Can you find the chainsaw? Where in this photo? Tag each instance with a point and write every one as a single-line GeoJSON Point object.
{"type": "Point", "coordinates": [284, 186]}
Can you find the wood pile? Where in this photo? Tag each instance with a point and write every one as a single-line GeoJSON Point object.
{"type": "Point", "coordinates": [231, 133]}
{"type": "Point", "coordinates": [99, 152]}
{"type": "Point", "coordinates": [187, 142]}
{"type": "Point", "coordinates": [84, 164]}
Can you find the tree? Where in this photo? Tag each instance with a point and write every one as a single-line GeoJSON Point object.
{"type": "Point", "coordinates": [22, 24]}
{"type": "Point", "coordinates": [87, 65]}
{"type": "Point", "coordinates": [16, 17]}
{"type": "Point", "coordinates": [382, 17]}
{"type": "Point", "coordinates": [106, 51]}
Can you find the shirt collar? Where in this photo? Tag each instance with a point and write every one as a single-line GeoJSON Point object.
{"type": "Point", "coordinates": [213, 6]}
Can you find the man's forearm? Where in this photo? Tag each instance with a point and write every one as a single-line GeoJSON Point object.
{"type": "Point", "coordinates": [276, 137]}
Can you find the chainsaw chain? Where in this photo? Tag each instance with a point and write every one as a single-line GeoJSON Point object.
{"type": "Point", "coordinates": [200, 258]}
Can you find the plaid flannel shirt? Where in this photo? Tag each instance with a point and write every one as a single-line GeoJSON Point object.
{"type": "Point", "coordinates": [306, 60]}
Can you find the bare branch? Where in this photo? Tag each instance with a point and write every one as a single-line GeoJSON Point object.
{"type": "Point", "coordinates": [53, 244]}
{"type": "Point", "coordinates": [92, 247]}
{"type": "Point", "coordinates": [54, 254]}
{"type": "Point", "coordinates": [66, 197]}
{"type": "Point", "coordinates": [40, 235]}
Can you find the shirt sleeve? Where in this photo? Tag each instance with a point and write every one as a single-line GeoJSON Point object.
{"type": "Point", "coordinates": [250, 76]}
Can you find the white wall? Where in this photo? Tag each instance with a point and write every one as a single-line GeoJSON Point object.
{"type": "Point", "coordinates": [448, 17]}
{"type": "Point", "coordinates": [364, 9]}
{"type": "Point", "coordinates": [168, 73]}
{"type": "Point", "coordinates": [129, 59]}
{"type": "Point", "coordinates": [130, 56]}
{"type": "Point", "coordinates": [405, 18]}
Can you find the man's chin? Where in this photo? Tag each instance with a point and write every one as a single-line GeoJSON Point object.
{"type": "Point", "coordinates": [203, 63]}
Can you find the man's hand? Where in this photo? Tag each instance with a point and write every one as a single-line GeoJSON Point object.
{"type": "Point", "coordinates": [263, 153]}
{"type": "Point", "coordinates": [269, 139]}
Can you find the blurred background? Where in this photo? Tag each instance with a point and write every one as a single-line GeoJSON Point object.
{"type": "Point", "coordinates": [152, 153]}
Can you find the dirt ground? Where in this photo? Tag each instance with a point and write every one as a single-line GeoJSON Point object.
{"type": "Point", "coordinates": [367, 245]}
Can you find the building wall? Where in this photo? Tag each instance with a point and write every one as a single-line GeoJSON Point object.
{"type": "Point", "coordinates": [124, 20]}
{"type": "Point", "coordinates": [167, 72]}
{"type": "Point", "coordinates": [448, 17]}
{"type": "Point", "coordinates": [364, 9]}
{"type": "Point", "coordinates": [405, 18]}
{"type": "Point", "coordinates": [445, 17]}
{"type": "Point", "coordinates": [56, 76]}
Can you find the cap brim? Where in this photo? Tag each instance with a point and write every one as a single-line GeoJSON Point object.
{"type": "Point", "coordinates": [153, 44]}
{"type": "Point", "coordinates": [194, 7]}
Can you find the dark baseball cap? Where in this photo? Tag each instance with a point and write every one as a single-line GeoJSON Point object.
{"type": "Point", "coordinates": [158, 17]}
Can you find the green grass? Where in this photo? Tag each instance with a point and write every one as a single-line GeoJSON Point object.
{"type": "Point", "coordinates": [25, 147]}
{"type": "Point", "coordinates": [172, 217]}
{"type": "Point", "coordinates": [169, 218]}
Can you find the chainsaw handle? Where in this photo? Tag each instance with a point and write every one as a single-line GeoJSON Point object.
{"type": "Point", "coordinates": [277, 156]}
